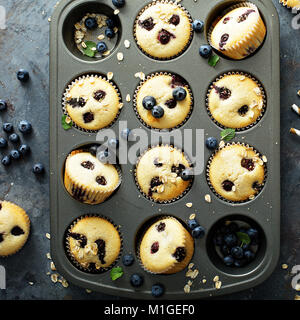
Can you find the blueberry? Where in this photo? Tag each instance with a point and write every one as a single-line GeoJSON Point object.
{"type": "Point", "coordinates": [198, 232]}
{"type": "Point", "coordinates": [158, 112]}
{"type": "Point", "coordinates": [6, 161]}
{"type": "Point", "coordinates": [249, 255]}
{"type": "Point", "coordinates": [245, 246]}
{"type": "Point", "coordinates": [91, 23]}
{"type": "Point", "coordinates": [128, 260]}
{"type": "Point", "coordinates": [239, 263]}
{"type": "Point", "coordinates": [179, 94]}
{"type": "Point", "coordinates": [110, 23]}
{"type": "Point", "coordinates": [186, 175]}
{"type": "Point", "coordinates": [118, 3]}
{"type": "Point", "coordinates": [104, 156]}
{"type": "Point", "coordinates": [252, 233]}
{"type": "Point", "coordinates": [101, 47]}
{"type": "Point", "coordinates": [205, 51]}
{"type": "Point", "coordinates": [198, 25]}
{"type": "Point", "coordinates": [109, 33]}
{"type": "Point", "coordinates": [14, 138]}
{"type": "Point", "coordinates": [93, 150]}
{"type": "Point", "coordinates": [211, 143]}
{"type": "Point", "coordinates": [237, 252]}
{"type": "Point", "coordinates": [218, 240]}
{"type": "Point", "coordinates": [228, 260]}
{"type": "Point", "coordinates": [24, 149]}
{"type": "Point", "coordinates": [3, 143]}
{"type": "Point", "coordinates": [149, 102]}
{"type": "Point", "coordinates": [8, 127]}
{"type": "Point", "coordinates": [125, 134]}
{"type": "Point", "coordinates": [38, 168]}
{"type": "Point", "coordinates": [192, 224]}
{"type": "Point", "coordinates": [25, 127]}
{"type": "Point", "coordinates": [157, 290]}
{"type": "Point", "coordinates": [113, 143]}
{"type": "Point", "coordinates": [15, 154]}
{"type": "Point", "coordinates": [225, 250]}
{"type": "Point", "coordinates": [230, 239]}
{"type": "Point", "coordinates": [3, 105]}
{"type": "Point", "coordinates": [136, 280]}
{"type": "Point", "coordinates": [23, 75]}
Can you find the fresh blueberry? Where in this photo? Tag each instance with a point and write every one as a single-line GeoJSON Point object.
{"type": "Point", "coordinates": [249, 255]}
{"type": "Point", "coordinates": [252, 233]}
{"type": "Point", "coordinates": [198, 25]}
{"type": "Point", "coordinates": [93, 150]}
{"type": "Point", "coordinates": [239, 262]}
{"type": "Point", "coordinates": [3, 143]}
{"type": "Point", "coordinates": [205, 51]}
{"type": "Point", "coordinates": [237, 252]}
{"type": "Point", "coordinates": [15, 154]}
{"type": "Point", "coordinates": [23, 75]}
{"type": "Point", "coordinates": [218, 240]}
{"type": "Point", "coordinates": [192, 224]}
{"type": "Point", "coordinates": [157, 290]}
{"type": "Point", "coordinates": [245, 246]}
{"type": "Point", "coordinates": [109, 33]}
{"type": "Point", "coordinates": [136, 280]}
{"type": "Point", "coordinates": [128, 260]}
{"type": "Point", "coordinates": [104, 156]}
{"type": "Point", "coordinates": [101, 47]}
{"type": "Point", "coordinates": [125, 134]}
{"type": "Point", "coordinates": [3, 105]}
{"type": "Point", "coordinates": [225, 250]}
{"type": "Point", "coordinates": [6, 161]}
{"type": "Point", "coordinates": [24, 149]}
{"type": "Point", "coordinates": [38, 168]}
{"type": "Point", "coordinates": [179, 94]}
{"type": "Point", "coordinates": [8, 127]}
{"type": "Point", "coordinates": [198, 232]}
{"type": "Point", "coordinates": [113, 143]}
{"type": "Point", "coordinates": [110, 23]}
{"type": "Point", "coordinates": [91, 23]}
{"type": "Point", "coordinates": [25, 127]}
{"type": "Point", "coordinates": [228, 260]}
{"type": "Point", "coordinates": [186, 175]}
{"type": "Point", "coordinates": [149, 102]}
{"type": "Point", "coordinates": [211, 143]}
{"type": "Point", "coordinates": [230, 239]}
{"type": "Point", "coordinates": [158, 112]}
{"type": "Point", "coordinates": [118, 3]}
{"type": "Point", "coordinates": [14, 138]}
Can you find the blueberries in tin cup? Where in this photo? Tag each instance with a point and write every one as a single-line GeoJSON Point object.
{"type": "Point", "coordinates": [179, 94]}
{"type": "Point", "coordinates": [230, 239]}
{"type": "Point", "coordinates": [101, 47]}
{"type": "Point", "coordinates": [192, 224]}
{"type": "Point", "coordinates": [14, 138]}
{"type": "Point", "coordinates": [3, 143]}
{"type": "Point", "coordinates": [109, 33]}
{"type": "Point", "coordinates": [198, 25]}
{"type": "Point", "coordinates": [228, 261]}
{"type": "Point", "coordinates": [198, 232]}
{"type": "Point", "coordinates": [186, 175]}
{"type": "Point", "coordinates": [25, 127]}
{"type": "Point", "coordinates": [205, 51]}
{"type": "Point", "coordinates": [157, 290]}
{"type": "Point", "coordinates": [136, 280]}
{"type": "Point", "coordinates": [149, 103]}
{"type": "Point", "coordinates": [6, 160]}
{"type": "Point", "coordinates": [38, 168]}
{"type": "Point", "coordinates": [91, 23]}
{"type": "Point", "coordinates": [211, 143]}
{"type": "Point", "coordinates": [3, 105]}
{"type": "Point", "coordinates": [118, 3]}
{"type": "Point", "coordinates": [24, 149]}
{"type": "Point", "coordinates": [15, 154]}
{"type": "Point", "coordinates": [23, 75]}
{"type": "Point", "coordinates": [8, 127]}
{"type": "Point", "coordinates": [158, 112]}
{"type": "Point", "coordinates": [128, 260]}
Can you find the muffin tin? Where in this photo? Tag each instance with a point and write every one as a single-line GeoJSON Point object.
{"type": "Point", "coordinates": [127, 207]}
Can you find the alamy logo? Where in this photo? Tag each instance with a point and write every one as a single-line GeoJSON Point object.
{"type": "Point", "coordinates": [2, 278]}
{"type": "Point", "coordinates": [2, 18]}
{"type": "Point", "coordinates": [296, 278]}
{"type": "Point", "coordinates": [296, 19]}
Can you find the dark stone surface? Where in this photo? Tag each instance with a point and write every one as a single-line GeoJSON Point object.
{"type": "Point", "coordinates": [24, 44]}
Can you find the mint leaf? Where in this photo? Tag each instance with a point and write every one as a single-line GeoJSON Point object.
{"type": "Point", "coordinates": [213, 60]}
{"type": "Point", "coordinates": [65, 123]}
{"type": "Point", "coordinates": [88, 50]}
{"type": "Point", "coordinates": [243, 237]}
{"type": "Point", "coordinates": [116, 273]}
{"type": "Point", "coordinates": [228, 134]}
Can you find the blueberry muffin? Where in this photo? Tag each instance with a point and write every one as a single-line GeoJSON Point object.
{"type": "Point", "coordinates": [163, 173]}
{"type": "Point", "coordinates": [92, 103]}
{"type": "Point", "coordinates": [238, 33]}
{"type": "Point", "coordinates": [166, 247]}
{"type": "Point", "coordinates": [93, 243]}
{"type": "Point", "coordinates": [236, 172]}
{"type": "Point", "coordinates": [291, 3]}
{"type": "Point", "coordinates": [89, 180]}
{"type": "Point", "coordinates": [163, 30]}
{"type": "Point", "coordinates": [235, 101]}
{"type": "Point", "coordinates": [14, 228]}
{"type": "Point", "coordinates": [163, 101]}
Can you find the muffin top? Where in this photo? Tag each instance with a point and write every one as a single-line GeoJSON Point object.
{"type": "Point", "coordinates": [235, 26]}
{"type": "Point", "coordinates": [235, 101]}
{"type": "Point", "coordinates": [161, 87]}
{"type": "Point", "coordinates": [14, 228]}
{"type": "Point", "coordinates": [160, 172]}
{"type": "Point", "coordinates": [237, 172]}
{"type": "Point", "coordinates": [163, 30]}
{"type": "Point", "coordinates": [94, 242]}
{"type": "Point", "coordinates": [291, 3]}
{"type": "Point", "coordinates": [163, 245]}
{"type": "Point", "coordinates": [86, 170]}
{"type": "Point", "coordinates": [92, 103]}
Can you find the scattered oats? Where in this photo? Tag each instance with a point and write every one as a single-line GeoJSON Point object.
{"type": "Point", "coordinates": [218, 285]}
{"type": "Point", "coordinates": [195, 274]}
{"type": "Point", "coordinates": [252, 197]}
{"type": "Point", "coordinates": [48, 236]}
{"type": "Point", "coordinates": [204, 280]}
{"type": "Point", "coordinates": [221, 144]}
{"type": "Point", "coordinates": [192, 216]}
{"type": "Point", "coordinates": [54, 277]}
{"type": "Point", "coordinates": [31, 283]}
{"type": "Point", "coordinates": [191, 265]}
{"type": "Point", "coordinates": [48, 273]}
{"type": "Point", "coordinates": [110, 75]}
{"type": "Point", "coordinates": [140, 75]}
{"type": "Point", "coordinates": [68, 120]}
{"type": "Point", "coordinates": [88, 291]}
{"type": "Point", "coordinates": [297, 297]}
{"type": "Point", "coordinates": [189, 204]}
{"type": "Point", "coordinates": [117, 11]}
{"type": "Point", "coordinates": [83, 45]}
{"type": "Point", "coordinates": [65, 283]}
{"type": "Point", "coordinates": [189, 273]}
{"type": "Point", "coordinates": [207, 198]}
{"type": "Point", "coordinates": [49, 19]}
{"type": "Point", "coordinates": [101, 37]}
{"type": "Point", "coordinates": [298, 93]}
{"type": "Point", "coordinates": [127, 44]}
{"type": "Point", "coordinates": [187, 288]}
{"type": "Point", "coordinates": [77, 26]}
{"type": "Point", "coordinates": [128, 98]}
{"type": "Point", "coordinates": [120, 56]}
{"type": "Point", "coordinates": [264, 159]}
{"type": "Point", "coordinates": [284, 266]}
{"type": "Point", "coordinates": [48, 256]}
{"type": "Point", "coordinates": [216, 278]}
{"type": "Point", "coordinates": [52, 266]}
{"type": "Point", "coordinates": [116, 29]}
{"type": "Point", "coordinates": [106, 53]}
{"type": "Point", "coordinates": [190, 282]}
{"type": "Point", "coordinates": [297, 288]}
{"type": "Point", "coordinates": [121, 105]}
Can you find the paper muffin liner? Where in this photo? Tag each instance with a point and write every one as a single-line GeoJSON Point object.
{"type": "Point", "coordinates": [27, 221]}
{"type": "Point", "coordinates": [152, 4]}
{"type": "Point", "coordinates": [237, 51]}
{"type": "Point", "coordinates": [73, 259]}
{"type": "Point", "coordinates": [142, 82]}
{"type": "Point", "coordinates": [208, 169]}
{"type": "Point", "coordinates": [168, 271]}
{"type": "Point", "coordinates": [162, 201]}
{"type": "Point", "coordinates": [285, 4]}
{"type": "Point", "coordinates": [263, 94]}
{"type": "Point", "coordinates": [83, 193]}
{"type": "Point", "coordinates": [70, 86]}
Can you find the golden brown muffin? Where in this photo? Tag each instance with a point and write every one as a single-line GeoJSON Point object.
{"type": "Point", "coordinates": [291, 3]}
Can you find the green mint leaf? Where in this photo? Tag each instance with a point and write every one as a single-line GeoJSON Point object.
{"type": "Point", "coordinates": [66, 125]}
{"type": "Point", "coordinates": [228, 134]}
{"type": "Point", "coordinates": [213, 60]}
{"type": "Point", "coordinates": [243, 237]}
{"type": "Point", "coordinates": [88, 50]}
{"type": "Point", "coordinates": [116, 273]}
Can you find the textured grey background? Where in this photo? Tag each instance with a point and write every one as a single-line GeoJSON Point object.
{"type": "Point", "coordinates": [24, 44]}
